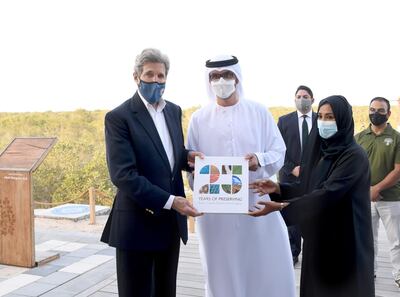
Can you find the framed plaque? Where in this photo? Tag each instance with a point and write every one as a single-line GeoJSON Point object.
{"type": "Point", "coordinates": [221, 185]}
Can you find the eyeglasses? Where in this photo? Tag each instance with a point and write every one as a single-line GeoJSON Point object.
{"type": "Point", "coordinates": [224, 75]}
{"type": "Point", "coordinates": [379, 110]}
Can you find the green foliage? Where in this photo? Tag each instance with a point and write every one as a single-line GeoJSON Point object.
{"type": "Point", "coordinates": [77, 161]}
{"type": "Point", "coordinates": [360, 116]}
{"type": "Point", "coordinates": [187, 114]}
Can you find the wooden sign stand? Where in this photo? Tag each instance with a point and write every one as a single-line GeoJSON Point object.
{"type": "Point", "coordinates": [17, 233]}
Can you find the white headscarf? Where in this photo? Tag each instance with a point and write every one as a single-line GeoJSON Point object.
{"type": "Point", "coordinates": [233, 68]}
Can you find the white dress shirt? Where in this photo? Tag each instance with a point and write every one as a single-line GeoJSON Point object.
{"type": "Point", "coordinates": [161, 125]}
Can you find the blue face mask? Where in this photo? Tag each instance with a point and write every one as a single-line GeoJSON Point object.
{"type": "Point", "coordinates": [327, 129]}
{"type": "Point", "coordinates": [152, 92]}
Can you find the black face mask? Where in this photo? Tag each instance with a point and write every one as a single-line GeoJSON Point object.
{"type": "Point", "coordinates": [378, 119]}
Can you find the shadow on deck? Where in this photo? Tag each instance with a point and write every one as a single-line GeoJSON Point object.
{"type": "Point", "coordinates": [87, 268]}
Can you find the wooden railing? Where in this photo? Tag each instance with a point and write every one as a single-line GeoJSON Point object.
{"type": "Point", "coordinates": [91, 192]}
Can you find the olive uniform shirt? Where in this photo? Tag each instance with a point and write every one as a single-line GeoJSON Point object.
{"type": "Point", "coordinates": [383, 152]}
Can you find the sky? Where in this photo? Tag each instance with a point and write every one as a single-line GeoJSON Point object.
{"type": "Point", "coordinates": [67, 55]}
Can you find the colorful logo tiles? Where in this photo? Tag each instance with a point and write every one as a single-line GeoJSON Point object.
{"type": "Point", "coordinates": [222, 179]}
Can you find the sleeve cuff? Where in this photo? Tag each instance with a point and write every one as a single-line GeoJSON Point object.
{"type": "Point", "coordinates": [260, 159]}
{"type": "Point", "coordinates": [170, 200]}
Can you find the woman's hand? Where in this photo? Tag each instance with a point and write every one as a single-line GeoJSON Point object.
{"type": "Point", "coordinates": [265, 186]}
{"type": "Point", "coordinates": [266, 207]}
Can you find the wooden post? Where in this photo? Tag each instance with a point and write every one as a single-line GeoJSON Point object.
{"type": "Point", "coordinates": [191, 225]}
{"type": "Point", "coordinates": [191, 219]}
{"type": "Point", "coordinates": [17, 238]}
{"type": "Point", "coordinates": [92, 206]}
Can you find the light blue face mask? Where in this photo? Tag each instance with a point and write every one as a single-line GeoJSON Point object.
{"type": "Point", "coordinates": [152, 92]}
{"type": "Point", "coordinates": [327, 129]}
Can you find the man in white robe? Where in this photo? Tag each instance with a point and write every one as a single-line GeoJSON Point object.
{"type": "Point", "coordinates": [242, 256]}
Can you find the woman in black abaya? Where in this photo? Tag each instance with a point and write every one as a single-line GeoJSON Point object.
{"type": "Point", "coordinates": [331, 203]}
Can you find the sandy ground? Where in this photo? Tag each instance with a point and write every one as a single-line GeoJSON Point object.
{"type": "Point", "coordinates": [82, 225]}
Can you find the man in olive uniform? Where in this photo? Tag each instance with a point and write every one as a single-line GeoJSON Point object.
{"type": "Point", "coordinates": [382, 144]}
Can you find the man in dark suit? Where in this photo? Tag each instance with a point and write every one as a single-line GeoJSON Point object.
{"type": "Point", "coordinates": [145, 156]}
{"type": "Point", "coordinates": [295, 128]}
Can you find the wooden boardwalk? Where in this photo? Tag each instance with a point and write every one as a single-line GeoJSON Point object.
{"type": "Point", "coordinates": [191, 279]}
{"type": "Point", "coordinates": [87, 268]}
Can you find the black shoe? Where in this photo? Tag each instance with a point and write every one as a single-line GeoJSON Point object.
{"type": "Point", "coordinates": [295, 260]}
{"type": "Point", "coordinates": [397, 281]}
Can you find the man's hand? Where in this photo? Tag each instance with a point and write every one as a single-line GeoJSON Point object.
{"type": "Point", "coordinates": [296, 171]}
{"type": "Point", "coordinates": [253, 162]}
{"type": "Point", "coordinates": [191, 157]}
{"type": "Point", "coordinates": [265, 186]}
{"type": "Point", "coordinates": [269, 206]}
{"type": "Point", "coordinates": [375, 194]}
{"type": "Point", "coordinates": [184, 207]}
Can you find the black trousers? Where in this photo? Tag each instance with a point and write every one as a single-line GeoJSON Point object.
{"type": "Point", "coordinates": [295, 239]}
{"type": "Point", "coordinates": [148, 273]}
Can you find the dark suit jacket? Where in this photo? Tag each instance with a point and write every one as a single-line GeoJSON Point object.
{"type": "Point", "coordinates": [289, 127]}
{"type": "Point", "coordinates": [139, 168]}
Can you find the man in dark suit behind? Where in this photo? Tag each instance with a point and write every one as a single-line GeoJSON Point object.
{"type": "Point", "coordinates": [295, 128]}
{"type": "Point", "coordinates": [145, 156]}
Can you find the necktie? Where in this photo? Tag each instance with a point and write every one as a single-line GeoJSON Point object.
{"type": "Point", "coordinates": [304, 132]}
